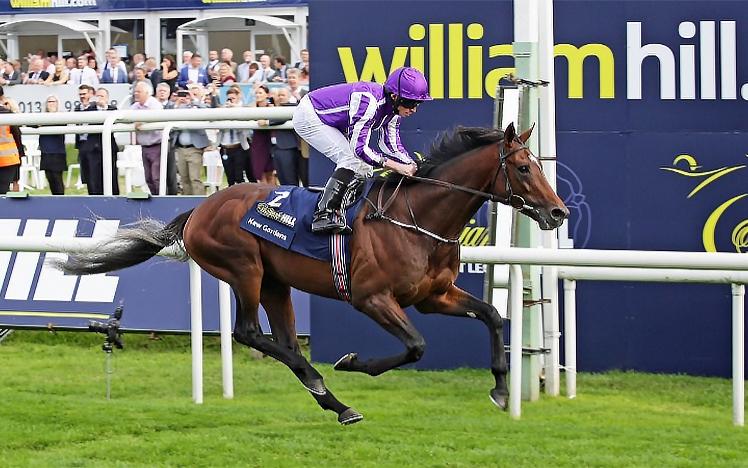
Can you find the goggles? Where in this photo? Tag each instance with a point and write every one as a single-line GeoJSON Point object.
{"type": "Point", "coordinates": [409, 103]}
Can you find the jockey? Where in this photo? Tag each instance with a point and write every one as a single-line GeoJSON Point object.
{"type": "Point", "coordinates": [338, 120]}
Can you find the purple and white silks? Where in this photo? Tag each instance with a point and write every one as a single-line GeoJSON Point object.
{"type": "Point", "coordinates": [356, 109]}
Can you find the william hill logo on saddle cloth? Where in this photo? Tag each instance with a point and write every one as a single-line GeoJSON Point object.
{"type": "Point", "coordinates": [271, 213]}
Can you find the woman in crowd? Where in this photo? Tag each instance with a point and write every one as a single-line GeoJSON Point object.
{"type": "Point", "coordinates": [259, 151]}
{"type": "Point", "coordinates": [60, 76]}
{"type": "Point", "coordinates": [169, 72]}
{"type": "Point", "coordinates": [52, 147]}
{"type": "Point", "coordinates": [225, 76]}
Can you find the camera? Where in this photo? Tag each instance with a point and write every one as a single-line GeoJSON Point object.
{"type": "Point", "coordinates": [110, 328]}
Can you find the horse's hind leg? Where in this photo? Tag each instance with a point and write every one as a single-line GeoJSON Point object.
{"type": "Point", "coordinates": [456, 302]}
{"type": "Point", "coordinates": [383, 309]}
{"type": "Point", "coordinates": [276, 299]}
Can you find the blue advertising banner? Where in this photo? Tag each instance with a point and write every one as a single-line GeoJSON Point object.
{"type": "Point", "coordinates": [651, 141]}
{"type": "Point", "coordinates": [155, 294]}
{"type": "Point", "coordinates": [70, 6]}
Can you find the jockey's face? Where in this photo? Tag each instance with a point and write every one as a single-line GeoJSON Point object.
{"type": "Point", "coordinates": [405, 111]}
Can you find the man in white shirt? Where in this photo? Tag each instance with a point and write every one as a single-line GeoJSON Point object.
{"type": "Point", "coordinates": [114, 70]}
{"type": "Point", "coordinates": [84, 74]}
{"type": "Point", "coordinates": [267, 70]}
{"type": "Point", "coordinates": [149, 141]}
{"type": "Point", "coordinates": [242, 71]}
{"type": "Point", "coordinates": [186, 59]}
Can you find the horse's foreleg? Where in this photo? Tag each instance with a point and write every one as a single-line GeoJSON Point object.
{"type": "Point", "coordinates": [386, 312]}
{"type": "Point", "coordinates": [276, 299]}
{"type": "Point", "coordinates": [459, 303]}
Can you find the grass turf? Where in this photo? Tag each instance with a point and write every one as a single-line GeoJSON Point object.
{"type": "Point", "coordinates": [53, 413]}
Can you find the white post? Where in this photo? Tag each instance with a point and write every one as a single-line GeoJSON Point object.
{"type": "Point", "coordinates": [738, 354]}
{"type": "Point", "coordinates": [570, 336]}
{"type": "Point", "coordinates": [196, 332]}
{"type": "Point", "coordinates": [547, 128]}
{"type": "Point", "coordinates": [106, 151]}
{"type": "Point", "coordinates": [515, 340]}
{"type": "Point", "coordinates": [164, 161]}
{"type": "Point", "coordinates": [224, 311]}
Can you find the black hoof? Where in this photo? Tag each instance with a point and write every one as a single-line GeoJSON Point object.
{"type": "Point", "coordinates": [316, 387]}
{"type": "Point", "coordinates": [345, 363]}
{"type": "Point", "coordinates": [349, 416]}
{"type": "Point", "coordinates": [501, 400]}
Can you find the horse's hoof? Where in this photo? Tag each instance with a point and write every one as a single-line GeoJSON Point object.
{"type": "Point", "coordinates": [499, 399]}
{"type": "Point", "coordinates": [349, 416]}
{"type": "Point", "coordinates": [316, 387]}
{"type": "Point", "coordinates": [345, 362]}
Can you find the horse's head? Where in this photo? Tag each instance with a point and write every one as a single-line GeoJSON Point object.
{"type": "Point", "coordinates": [522, 184]}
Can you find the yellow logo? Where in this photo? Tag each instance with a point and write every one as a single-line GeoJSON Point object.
{"type": "Point", "coordinates": [692, 169]}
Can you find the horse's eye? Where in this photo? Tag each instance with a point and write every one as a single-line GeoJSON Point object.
{"type": "Point", "coordinates": [524, 169]}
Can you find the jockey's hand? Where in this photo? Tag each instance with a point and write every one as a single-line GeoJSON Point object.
{"type": "Point", "coordinates": [400, 168]}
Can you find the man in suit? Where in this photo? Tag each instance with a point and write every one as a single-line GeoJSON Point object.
{"type": "Point", "coordinates": [10, 76]}
{"type": "Point", "coordinates": [36, 74]}
{"type": "Point", "coordinates": [290, 167]}
{"type": "Point", "coordinates": [189, 145]}
{"type": "Point", "coordinates": [90, 152]}
{"type": "Point", "coordinates": [194, 73]}
{"type": "Point", "coordinates": [114, 70]}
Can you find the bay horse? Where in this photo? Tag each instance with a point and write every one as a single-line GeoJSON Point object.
{"type": "Point", "coordinates": [403, 253]}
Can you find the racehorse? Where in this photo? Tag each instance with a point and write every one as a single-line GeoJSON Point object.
{"type": "Point", "coordinates": [404, 251]}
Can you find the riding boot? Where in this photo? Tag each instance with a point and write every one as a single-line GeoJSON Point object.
{"type": "Point", "coordinates": [328, 216]}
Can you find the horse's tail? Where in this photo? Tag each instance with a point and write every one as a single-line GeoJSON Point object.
{"type": "Point", "coordinates": [133, 244]}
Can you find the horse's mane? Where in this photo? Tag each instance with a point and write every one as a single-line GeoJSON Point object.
{"type": "Point", "coordinates": [453, 143]}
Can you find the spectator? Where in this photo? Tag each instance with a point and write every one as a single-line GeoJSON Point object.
{"type": "Point", "coordinates": [304, 59]}
{"type": "Point", "coordinates": [138, 60]}
{"type": "Point", "coordinates": [234, 145]}
{"type": "Point", "coordinates": [213, 63]}
{"type": "Point", "coordinates": [304, 76]}
{"type": "Point", "coordinates": [194, 73]}
{"type": "Point", "coordinates": [138, 74]}
{"type": "Point", "coordinates": [93, 65]}
{"type": "Point", "coordinates": [7, 102]}
{"type": "Point", "coordinates": [295, 91]}
{"type": "Point", "coordinates": [242, 71]}
{"type": "Point", "coordinates": [153, 72]}
{"type": "Point", "coordinates": [149, 141]}
{"type": "Point", "coordinates": [262, 162]}
{"type": "Point", "coordinates": [224, 74]}
{"type": "Point", "coordinates": [279, 64]}
{"type": "Point", "coordinates": [169, 72]}
{"type": "Point", "coordinates": [267, 70]}
{"type": "Point", "coordinates": [11, 152]}
{"type": "Point", "coordinates": [227, 56]}
{"type": "Point", "coordinates": [114, 70]}
{"type": "Point", "coordinates": [36, 74]}
{"type": "Point", "coordinates": [255, 76]}
{"type": "Point", "coordinates": [90, 153]}
{"type": "Point", "coordinates": [189, 145]}
{"type": "Point", "coordinates": [290, 166]}
{"type": "Point", "coordinates": [83, 74]}
{"type": "Point", "coordinates": [71, 63]}
{"type": "Point", "coordinates": [60, 75]}
{"type": "Point", "coordinates": [49, 62]}
{"type": "Point", "coordinates": [10, 75]}
{"type": "Point", "coordinates": [52, 147]}
{"type": "Point", "coordinates": [186, 59]}
{"type": "Point", "coordinates": [163, 92]}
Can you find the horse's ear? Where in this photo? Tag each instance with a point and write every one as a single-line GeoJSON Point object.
{"type": "Point", "coordinates": [526, 134]}
{"type": "Point", "coordinates": [510, 133]}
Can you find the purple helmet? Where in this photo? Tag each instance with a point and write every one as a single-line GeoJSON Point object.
{"type": "Point", "coordinates": [408, 83]}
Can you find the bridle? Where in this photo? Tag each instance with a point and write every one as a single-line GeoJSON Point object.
{"type": "Point", "coordinates": [515, 201]}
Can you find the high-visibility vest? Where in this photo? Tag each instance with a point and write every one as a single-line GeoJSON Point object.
{"type": "Point", "coordinates": [9, 155]}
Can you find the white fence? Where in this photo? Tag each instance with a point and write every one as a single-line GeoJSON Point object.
{"type": "Point", "coordinates": [175, 118]}
{"type": "Point", "coordinates": [651, 265]}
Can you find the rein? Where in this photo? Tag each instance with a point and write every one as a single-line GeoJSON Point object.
{"type": "Point", "coordinates": [515, 201]}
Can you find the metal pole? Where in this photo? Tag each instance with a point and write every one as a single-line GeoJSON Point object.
{"type": "Point", "coordinates": [106, 152]}
{"type": "Point", "coordinates": [196, 332]}
{"type": "Point", "coordinates": [570, 336]}
{"type": "Point", "coordinates": [738, 354]}
{"type": "Point", "coordinates": [516, 285]}
{"type": "Point", "coordinates": [224, 311]}
{"type": "Point", "coordinates": [164, 161]}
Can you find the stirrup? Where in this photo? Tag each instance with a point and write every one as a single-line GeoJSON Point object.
{"type": "Point", "coordinates": [330, 222]}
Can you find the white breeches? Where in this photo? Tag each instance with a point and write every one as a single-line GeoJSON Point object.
{"type": "Point", "coordinates": [327, 140]}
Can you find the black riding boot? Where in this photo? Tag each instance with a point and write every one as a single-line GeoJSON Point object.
{"type": "Point", "coordinates": [327, 217]}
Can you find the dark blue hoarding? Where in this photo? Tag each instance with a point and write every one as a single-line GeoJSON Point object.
{"type": "Point", "coordinates": [651, 142]}
{"type": "Point", "coordinates": [155, 294]}
{"type": "Point", "coordinates": [73, 6]}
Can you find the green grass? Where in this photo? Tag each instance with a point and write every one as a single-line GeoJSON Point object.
{"type": "Point", "coordinates": [53, 413]}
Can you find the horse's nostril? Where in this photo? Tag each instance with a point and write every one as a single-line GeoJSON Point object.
{"type": "Point", "coordinates": [558, 213]}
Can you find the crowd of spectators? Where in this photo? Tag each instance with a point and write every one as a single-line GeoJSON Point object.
{"type": "Point", "coordinates": [267, 155]}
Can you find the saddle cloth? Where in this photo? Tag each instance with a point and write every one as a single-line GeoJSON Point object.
{"type": "Point", "coordinates": [285, 219]}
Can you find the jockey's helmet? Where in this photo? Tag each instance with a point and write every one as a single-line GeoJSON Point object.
{"type": "Point", "coordinates": [409, 84]}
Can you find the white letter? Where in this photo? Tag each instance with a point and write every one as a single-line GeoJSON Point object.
{"type": "Point", "coordinates": [635, 55]}
{"type": "Point", "coordinates": [707, 46]}
{"type": "Point", "coordinates": [727, 60]}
